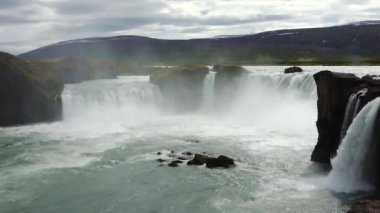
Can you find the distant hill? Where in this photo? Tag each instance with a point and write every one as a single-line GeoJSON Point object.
{"type": "Point", "coordinates": [351, 43]}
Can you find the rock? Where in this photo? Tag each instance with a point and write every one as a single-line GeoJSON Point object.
{"type": "Point", "coordinates": [174, 163]}
{"type": "Point", "coordinates": [27, 95]}
{"type": "Point", "coordinates": [187, 153]}
{"type": "Point", "coordinates": [293, 69]}
{"type": "Point", "coordinates": [198, 160]}
{"type": "Point", "coordinates": [366, 206]}
{"type": "Point", "coordinates": [221, 161]}
{"type": "Point", "coordinates": [182, 158]}
{"type": "Point", "coordinates": [228, 81]}
{"type": "Point", "coordinates": [160, 160]}
{"type": "Point", "coordinates": [334, 90]}
{"type": "Point", "coordinates": [181, 86]}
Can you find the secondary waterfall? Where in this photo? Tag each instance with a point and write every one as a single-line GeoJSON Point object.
{"type": "Point", "coordinates": [347, 173]}
{"type": "Point", "coordinates": [208, 91]}
{"type": "Point", "coordinates": [352, 109]}
{"type": "Point", "coordinates": [299, 84]}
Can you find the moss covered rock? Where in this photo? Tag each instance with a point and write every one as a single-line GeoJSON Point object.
{"type": "Point", "coordinates": [27, 95]}
{"type": "Point", "coordinates": [181, 86]}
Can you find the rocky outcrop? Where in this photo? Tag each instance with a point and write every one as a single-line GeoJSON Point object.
{"type": "Point", "coordinates": [27, 95]}
{"type": "Point", "coordinates": [197, 159]}
{"type": "Point", "coordinates": [293, 69]}
{"type": "Point", "coordinates": [181, 86]}
{"type": "Point", "coordinates": [366, 206]}
{"type": "Point", "coordinates": [220, 162]}
{"type": "Point", "coordinates": [228, 81]}
{"type": "Point", "coordinates": [334, 90]}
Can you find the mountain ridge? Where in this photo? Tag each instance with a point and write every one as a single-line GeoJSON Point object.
{"type": "Point", "coordinates": [349, 42]}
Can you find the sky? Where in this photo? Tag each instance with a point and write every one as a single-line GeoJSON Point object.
{"type": "Point", "coordinates": [29, 24]}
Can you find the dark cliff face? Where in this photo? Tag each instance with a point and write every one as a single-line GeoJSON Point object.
{"type": "Point", "coordinates": [181, 87]}
{"type": "Point", "coordinates": [27, 95]}
{"type": "Point", "coordinates": [334, 90]}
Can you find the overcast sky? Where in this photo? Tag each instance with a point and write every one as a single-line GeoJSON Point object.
{"type": "Point", "coordinates": [29, 24]}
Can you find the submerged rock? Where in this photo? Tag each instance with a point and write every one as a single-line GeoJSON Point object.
{"type": "Point", "coordinates": [221, 161]}
{"type": "Point", "coordinates": [293, 69]}
{"type": "Point", "coordinates": [366, 206]}
{"type": "Point", "coordinates": [27, 95]}
{"type": "Point", "coordinates": [161, 160]}
{"type": "Point", "coordinates": [181, 86]}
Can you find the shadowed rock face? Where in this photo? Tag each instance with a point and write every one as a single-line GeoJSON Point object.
{"type": "Point", "coordinates": [181, 87]}
{"type": "Point", "coordinates": [27, 95]}
{"type": "Point", "coordinates": [334, 90]}
{"type": "Point", "coordinates": [227, 82]}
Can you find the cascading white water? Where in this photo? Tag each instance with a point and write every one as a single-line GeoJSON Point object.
{"type": "Point", "coordinates": [346, 175]}
{"type": "Point", "coordinates": [99, 158]}
{"type": "Point", "coordinates": [208, 91]}
{"type": "Point", "coordinates": [352, 109]}
{"type": "Point", "coordinates": [300, 84]}
{"type": "Point", "coordinates": [274, 98]}
{"type": "Point", "coordinates": [125, 97]}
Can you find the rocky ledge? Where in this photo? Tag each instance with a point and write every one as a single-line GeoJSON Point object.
{"type": "Point", "coordinates": [27, 95]}
{"type": "Point", "coordinates": [228, 80]}
{"type": "Point", "coordinates": [181, 86]}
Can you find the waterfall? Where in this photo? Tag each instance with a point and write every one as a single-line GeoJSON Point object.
{"type": "Point", "coordinates": [208, 91]}
{"type": "Point", "coordinates": [123, 97]}
{"type": "Point", "coordinates": [300, 84]}
{"type": "Point", "coordinates": [352, 109]}
{"type": "Point", "coordinates": [347, 172]}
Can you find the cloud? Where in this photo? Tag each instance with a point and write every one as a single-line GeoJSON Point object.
{"type": "Point", "coordinates": [43, 22]}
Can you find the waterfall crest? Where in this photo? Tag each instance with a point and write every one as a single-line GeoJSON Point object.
{"type": "Point", "coordinates": [352, 109]}
{"type": "Point", "coordinates": [300, 84]}
{"type": "Point", "coordinates": [347, 172]}
{"type": "Point", "coordinates": [126, 96]}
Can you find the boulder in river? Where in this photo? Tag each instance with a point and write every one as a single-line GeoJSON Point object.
{"type": "Point", "coordinates": [293, 69]}
{"type": "Point", "coordinates": [27, 95]}
{"type": "Point", "coordinates": [198, 160]}
{"type": "Point", "coordinates": [220, 162]}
